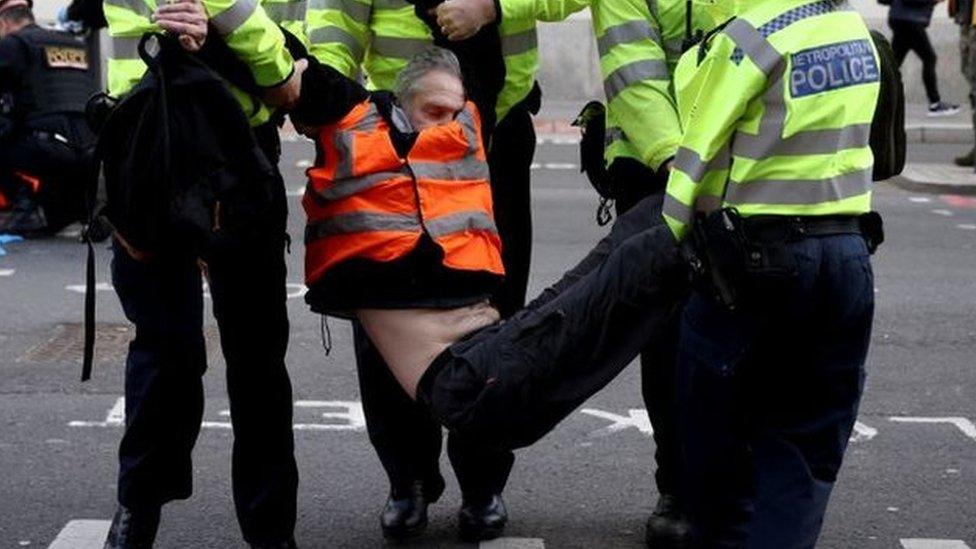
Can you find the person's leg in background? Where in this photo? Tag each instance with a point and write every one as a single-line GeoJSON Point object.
{"type": "Point", "coordinates": [406, 439]}
{"type": "Point", "coordinates": [247, 282]}
{"type": "Point", "coordinates": [667, 526]}
{"type": "Point", "coordinates": [922, 46]}
{"type": "Point", "coordinates": [163, 299]}
{"type": "Point", "coordinates": [900, 40]}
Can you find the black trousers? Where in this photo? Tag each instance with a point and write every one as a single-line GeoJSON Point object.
{"type": "Point", "coordinates": [632, 182]}
{"type": "Point", "coordinates": [512, 382]}
{"type": "Point", "coordinates": [163, 298]}
{"type": "Point", "coordinates": [510, 163]}
{"type": "Point", "coordinates": [912, 36]}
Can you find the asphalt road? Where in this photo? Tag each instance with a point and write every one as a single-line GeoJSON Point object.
{"type": "Point", "coordinates": [910, 473]}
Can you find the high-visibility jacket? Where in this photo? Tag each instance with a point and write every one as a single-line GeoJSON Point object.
{"type": "Point", "coordinates": [380, 36]}
{"type": "Point", "coordinates": [777, 115]}
{"type": "Point", "coordinates": [639, 43]}
{"type": "Point", "coordinates": [244, 26]}
{"type": "Point", "coordinates": [369, 202]}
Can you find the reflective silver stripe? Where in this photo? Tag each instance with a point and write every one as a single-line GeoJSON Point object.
{"type": "Point", "coordinates": [614, 134]}
{"type": "Point", "coordinates": [626, 33]}
{"type": "Point", "coordinates": [469, 168]}
{"type": "Point", "coordinates": [125, 47]}
{"type": "Point", "coordinates": [138, 6]}
{"type": "Point", "coordinates": [343, 142]}
{"type": "Point", "coordinates": [631, 73]}
{"type": "Point", "coordinates": [799, 191]}
{"type": "Point", "coordinates": [233, 17]}
{"type": "Point", "coordinates": [762, 146]}
{"type": "Point", "coordinates": [357, 10]}
{"type": "Point", "coordinates": [675, 209]}
{"type": "Point", "coordinates": [476, 220]}
{"type": "Point", "coordinates": [752, 44]}
{"type": "Point", "coordinates": [399, 47]}
{"type": "Point", "coordinates": [335, 35]}
{"type": "Point", "coordinates": [361, 222]}
{"type": "Point", "coordinates": [389, 4]}
{"type": "Point", "coordinates": [707, 203]}
{"type": "Point", "coordinates": [520, 42]}
{"type": "Point", "coordinates": [347, 187]}
{"type": "Point", "coordinates": [285, 11]}
{"type": "Point", "coordinates": [692, 165]}
{"type": "Point", "coordinates": [466, 119]}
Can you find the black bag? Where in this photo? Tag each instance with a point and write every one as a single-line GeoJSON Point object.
{"type": "Point", "coordinates": [176, 146]}
{"type": "Point", "coordinates": [888, 126]}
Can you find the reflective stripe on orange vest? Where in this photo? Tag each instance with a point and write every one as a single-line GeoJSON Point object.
{"type": "Point", "coordinates": [368, 202]}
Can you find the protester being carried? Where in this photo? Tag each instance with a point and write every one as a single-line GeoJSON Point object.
{"type": "Point", "coordinates": [401, 236]}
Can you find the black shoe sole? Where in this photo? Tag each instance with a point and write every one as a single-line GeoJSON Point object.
{"type": "Point", "coordinates": [473, 534]}
{"type": "Point", "coordinates": [404, 534]}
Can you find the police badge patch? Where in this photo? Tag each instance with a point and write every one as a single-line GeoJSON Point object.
{"type": "Point", "coordinates": [60, 57]}
{"type": "Point", "coordinates": [832, 67]}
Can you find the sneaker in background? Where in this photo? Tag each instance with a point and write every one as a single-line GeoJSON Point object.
{"type": "Point", "coordinates": [942, 108]}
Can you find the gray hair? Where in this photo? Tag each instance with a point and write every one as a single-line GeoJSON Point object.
{"type": "Point", "coordinates": [431, 59]}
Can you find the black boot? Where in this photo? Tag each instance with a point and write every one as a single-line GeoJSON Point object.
{"type": "Point", "coordinates": [133, 529]}
{"type": "Point", "coordinates": [967, 160]}
{"type": "Point", "coordinates": [482, 521]}
{"type": "Point", "coordinates": [405, 514]}
{"type": "Point", "coordinates": [668, 527]}
{"type": "Point", "coordinates": [25, 218]}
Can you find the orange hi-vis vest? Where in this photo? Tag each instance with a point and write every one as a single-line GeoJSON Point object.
{"type": "Point", "coordinates": [368, 202]}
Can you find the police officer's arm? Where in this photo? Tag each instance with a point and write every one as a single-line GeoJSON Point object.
{"type": "Point", "coordinates": [327, 96]}
{"type": "Point", "coordinates": [461, 19]}
{"type": "Point", "coordinates": [636, 79]}
{"type": "Point", "coordinates": [258, 41]}
{"type": "Point", "coordinates": [722, 90]}
{"type": "Point", "coordinates": [337, 33]}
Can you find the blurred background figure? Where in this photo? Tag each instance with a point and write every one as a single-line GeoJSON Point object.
{"type": "Point", "coordinates": [962, 12]}
{"type": "Point", "coordinates": [46, 78]}
{"type": "Point", "coordinates": [908, 20]}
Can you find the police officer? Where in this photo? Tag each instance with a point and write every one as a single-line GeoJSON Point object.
{"type": "Point", "coordinates": [774, 174]}
{"type": "Point", "coordinates": [162, 296]}
{"type": "Point", "coordinates": [379, 37]}
{"type": "Point", "coordinates": [639, 44]}
{"type": "Point", "coordinates": [46, 77]}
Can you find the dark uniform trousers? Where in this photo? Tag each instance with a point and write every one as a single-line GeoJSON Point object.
{"type": "Point", "coordinates": [167, 359]}
{"type": "Point", "coordinates": [632, 183]}
{"type": "Point", "coordinates": [769, 395]}
{"type": "Point", "coordinates": [406, 438]}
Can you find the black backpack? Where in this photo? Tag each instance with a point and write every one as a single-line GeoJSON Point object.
{"type": "Point", "coordinates": [888, 126]}
{"type": "Point", "coordinates": [175, 146]}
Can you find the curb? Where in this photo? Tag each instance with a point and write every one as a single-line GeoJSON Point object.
{"type": "Point", "coordinates": [939, 133]}
{"type": "Point", "coordinates": [936, 179]}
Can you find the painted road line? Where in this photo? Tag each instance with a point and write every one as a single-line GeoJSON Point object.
{"type": "Point", "coordinates": [636, 418]}
{"type": "Point", "coordinates": [963, 424]}
{"type": "Point", "coordinates": [82, 534]}
{"type": "Point", "coordinates": [944, 213]}
{"type": "Point", "coordinates": [303, 163]}
{"type": "Point", "coordinates": [966, 226]}
{"type": "Point", "coordinates": [300, 191]}
{"type": "Point", "coordinates": [558, 140]}
{"type": "Point", "coordinates": [921, 543]}
{"type": "Point", "coordinates": [7, 272]}
{"type": "Point", "coordinates": [920, 199]}
{"type": "Point", "coordinates": [114, 418]}
{"type": "Point", "coordinates": [863, 432]}
{"type": "Point", "coordinates": [513, 543]}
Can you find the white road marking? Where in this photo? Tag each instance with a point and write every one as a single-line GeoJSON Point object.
{"type": "Point", "coordinates": [82, 534]}
{"type": "Point", "coordinates": [636, 418]}
{"type": "Point", "coordinates": [7, 272]}
{"type": "Point", "coordinates": [300, 191]}
{"type": "Point", "coordinates": [944, 213]}
{"type": "Point", "coordinates": [114, 418]}
{"type": "Point", "coordinates": [295, 290]}
{"type": "Point", "coordinates": [340, 415]}
{"type": "Point", "coordinates": [559, 166]}
{"type": "Point", "coordinates": [513, 543]}
{"type": "Point", "coordinates": [963, 424]}
{"type": "Point", "coordinates": [863, 432]}
{"type": "Point", "coordinates": [303, 163]}
{"type": "Point", "coordinates": [920, 543]}
{"type": "Point", "coordinates": [966, 226]}
{"type": "Point", "coordinates": [920, 199]}
{"type": "Point", "coordinates": [558, 140]}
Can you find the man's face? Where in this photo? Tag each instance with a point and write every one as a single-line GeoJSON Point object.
{"type": "Point", "coordinates": [438, 97]}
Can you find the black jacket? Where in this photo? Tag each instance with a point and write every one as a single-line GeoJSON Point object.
{"type": "Point", "coordinates": [917, 11]}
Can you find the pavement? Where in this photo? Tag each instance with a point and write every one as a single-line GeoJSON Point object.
{"type": "Point", "coordinates": [907, 481]}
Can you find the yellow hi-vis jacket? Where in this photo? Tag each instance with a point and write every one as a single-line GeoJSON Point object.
{"type": "Point", "coordinates": [380, 36]}
{"type": "Point", "coordinates": [777, 115]}
{"type": "Point", "coordinates": [243, 24]}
